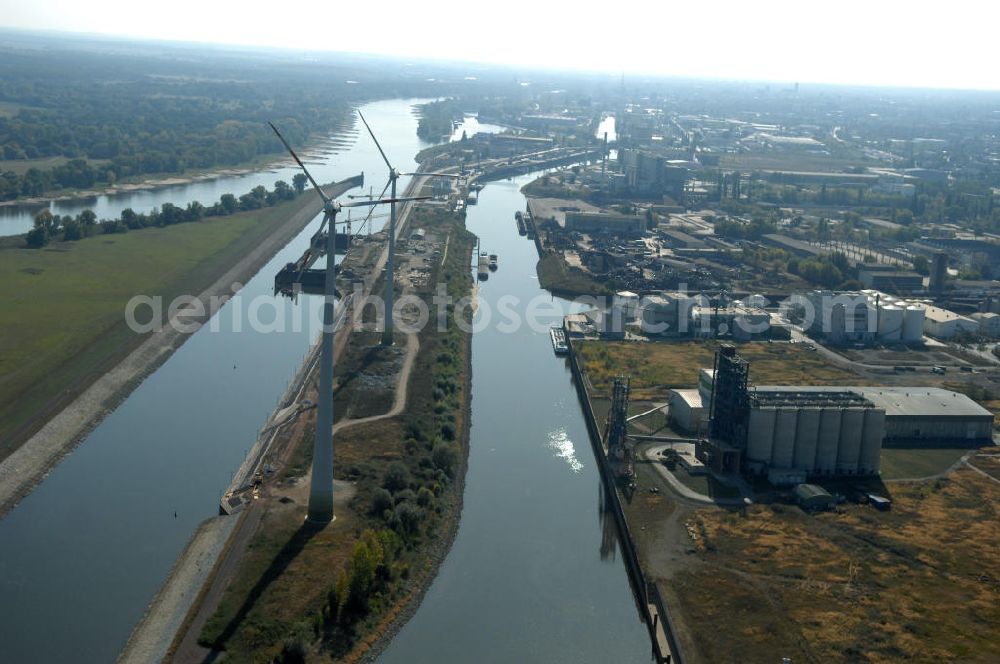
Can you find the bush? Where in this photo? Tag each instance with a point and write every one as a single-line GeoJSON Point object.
{"type": "Point", "coordinates": [425, 498]}
{"type": "Point", "coordinates": [397, 477]}
{"type": "Point", "coordinates": [381, 501]}
{"type": "Point", "coordinates": [445, 457]}
{"type": "Point", "coordinates": [407, 518]}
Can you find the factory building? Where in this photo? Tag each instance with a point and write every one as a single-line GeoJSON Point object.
{"type": "Point", "coordinates": [787, 432]}
{"type": "Point", "coordinates": [688, 411]}
{"type": "Point", "coordinates": [743, 323]}
{"type": "Point", "coordinates": [603, 222]}
{"type": "Point", "coordinates": [989, 323]}
{"type": "Point", "coordinates": [667, 313]}
{"type": "Point", "coordinates": [888, 278]}
{"type": "Point", "coordinates": [944, 324]}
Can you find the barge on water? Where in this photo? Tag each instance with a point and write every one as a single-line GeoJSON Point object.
{"type": "Point", "coordinates": [484, 267]}
{"type": "Point", "coordinates": [558, 337]}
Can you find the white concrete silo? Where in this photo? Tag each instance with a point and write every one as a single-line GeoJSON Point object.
{"type": "Point", "coordinates": [890, 323]}
{"type": "Point", "coordinates": [829, 441]}
{"type": "Point", "coordinates": [852, 427]}
{"type": "Point", "coordinates": [913, 324]}
{"type": "Point", "coordinates": [760, 435]}
{"type": "Point", "coordinates": [806, 439]}
{"type": "Point", "coordinates": [783, 451]}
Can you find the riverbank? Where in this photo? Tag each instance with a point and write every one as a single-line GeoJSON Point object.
{"type": "Point", "coordinates": [165, 615]}
{"type": "Point", "coordinates": [285, 574]}
{"type": "Point", "coordinates": [133, 359]}
{"type": "Point", "coordinates": [154, 181]}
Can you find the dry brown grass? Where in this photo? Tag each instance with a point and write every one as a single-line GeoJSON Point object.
{"type": "Point", "coordinates": [658, 366]}
{"type": "Point", "coordinates": [919, 583]}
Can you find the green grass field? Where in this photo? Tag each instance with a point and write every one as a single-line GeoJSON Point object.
{"type": "Point", "coordinates": [916, 462]}
{"type": "Point", "coordinates": [63, 321]}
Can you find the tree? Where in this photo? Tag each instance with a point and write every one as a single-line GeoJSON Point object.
{"type": "Point", "coordinates": [229, 203]}
{"type": "Point", "coordinates": [87, 218]}
{"type": "Point", "coordinates": [130, 218]}
{"type": "Point", "coordinates": [72, 230]}
{"type": "Point", "coordinates": [283, 191]}
{"type": "Point", "coordinates": [36, 238]}
{"type": "Point", "coordinates": [921, 265]}
{"type": "Point", "coordinates": [299, 181]}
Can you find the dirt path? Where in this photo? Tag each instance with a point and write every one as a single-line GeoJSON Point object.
{"type": "Point", "coordinates": [22, 470]}
{"type": "Point", "coordinates": [185, 640]}
{"type": "Point", "coordinates": [399, 403]}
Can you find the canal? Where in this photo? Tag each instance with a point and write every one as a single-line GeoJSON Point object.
{"type": "Point", "coordinates": [82, 556]}
{"type": "Point", "coordinates": [534, 575]}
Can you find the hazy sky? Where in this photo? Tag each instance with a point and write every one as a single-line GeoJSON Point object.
{"type": "Point", "coordinates": [916, 43]}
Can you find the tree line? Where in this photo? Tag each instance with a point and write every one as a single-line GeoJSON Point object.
{"type": "Point", "coordinates": [53, 227]}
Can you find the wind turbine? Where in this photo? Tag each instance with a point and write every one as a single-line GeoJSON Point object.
{"type": "Point", "coordinates": [390, 271]}
{"type": "Point", "coordinates": [321, 488]}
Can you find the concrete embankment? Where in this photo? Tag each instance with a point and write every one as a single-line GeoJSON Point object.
{"type": "Point", "coordinates": [651, 606]}
{"type": "Point", "coordinates": [165, 615]}
{"type": "Point", "coordinates": [22, 470]}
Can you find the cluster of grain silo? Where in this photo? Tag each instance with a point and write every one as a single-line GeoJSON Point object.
{"type": "Point", "coordinates": [828, 432]}
{"type": "Point", "coordinates": [898, 319]}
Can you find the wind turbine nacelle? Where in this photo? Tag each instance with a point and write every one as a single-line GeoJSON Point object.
{"type": "Point", "coordinates": [291, 281]}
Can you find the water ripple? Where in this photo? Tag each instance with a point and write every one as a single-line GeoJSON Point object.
{"type": "Point", "coordinates": [563, 447]}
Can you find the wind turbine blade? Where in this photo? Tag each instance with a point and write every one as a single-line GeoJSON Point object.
{"type": "Point", "coordinates": [326, 199]}
{"type": "Point", "coordinates": [372, 134]}
{"type": "Point", "coordinates": [387, 200]}
{"type": "Point", "coordinates": [436, 175]}
{"type": "Point", "coordinates": [371, 209]}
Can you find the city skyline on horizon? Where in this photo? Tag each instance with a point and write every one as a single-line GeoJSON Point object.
{"type": "Point", "coordinates": [889, 45]}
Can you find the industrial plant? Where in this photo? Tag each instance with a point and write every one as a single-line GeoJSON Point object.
{"type": "Point", "coordinates": [790, 433]}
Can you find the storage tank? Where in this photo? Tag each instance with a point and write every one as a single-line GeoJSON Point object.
{"type": "Point", "coordinates": [829, 441]}
{"type": "Point", "coordinates": [852, 428]}
{"type": "Point", "coordinates": [629, 303]}
{"type": "Point", "coordinates": [806, 439]}
{"type": "Point", "coordinates": [837, 330]}
{"type": "Point", "coordinates": [913, 325]}
{"type": "Point", "coordinates": [871, 441]}
{"type": "Point", "coordinates": [890, 323]}
{"type": "Point", "coordinates": [783, 451]}
{"type": "Point", "coordinates": [760, 436]}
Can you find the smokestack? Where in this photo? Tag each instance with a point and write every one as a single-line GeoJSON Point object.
{"type": "Point", "coordinates": [939, 272]}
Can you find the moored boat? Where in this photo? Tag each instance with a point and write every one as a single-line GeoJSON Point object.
{"type": "Point", "coordinates": [558, 337]}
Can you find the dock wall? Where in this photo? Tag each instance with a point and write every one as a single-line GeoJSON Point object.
{"type": "Point", "coordinates": [651, 606]}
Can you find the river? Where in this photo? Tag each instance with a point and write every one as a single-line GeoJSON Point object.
{"type": "Point", "coordinates": [83, 555]}
{"type": "Point", "coordinates": [533, 575]}
{"type": "Point", "coordinates": [17, 219]}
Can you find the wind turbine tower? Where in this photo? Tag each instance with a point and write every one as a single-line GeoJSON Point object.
{"type": "Point", "coordinates": [321, 488]}
{"type": "Point", "coordinates": [390, 269]}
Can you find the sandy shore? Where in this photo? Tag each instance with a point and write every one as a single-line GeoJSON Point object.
{"type": "Point", "coordinates": [321, 150]}
{"type": "Point", "coordinates": [30, 463]}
